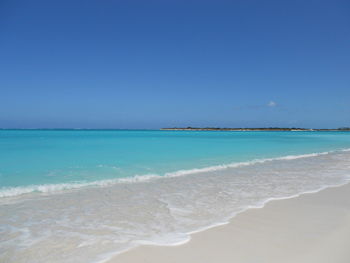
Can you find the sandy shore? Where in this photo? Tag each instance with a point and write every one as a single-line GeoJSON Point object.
{"type": "Point", "coordinates": [307, 229]}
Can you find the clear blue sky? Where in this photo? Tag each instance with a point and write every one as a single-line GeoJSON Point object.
{"type": "Point", "coordinates": [151, 64]}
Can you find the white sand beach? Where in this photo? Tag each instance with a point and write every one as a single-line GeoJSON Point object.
{"type": "Point", "coordinates": [307, 229]}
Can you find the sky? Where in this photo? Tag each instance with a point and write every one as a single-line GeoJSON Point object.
{"type": "Point", "coordinates": [152, 64]}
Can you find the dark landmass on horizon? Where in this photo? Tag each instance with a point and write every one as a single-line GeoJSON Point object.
{"type": "Point", "coordinates": [186, 129]}
{"type": "Point", "coordinates": [251, 129]}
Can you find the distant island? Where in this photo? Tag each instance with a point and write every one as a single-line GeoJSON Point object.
{"type": "Point", "coordinates": [250, 129]}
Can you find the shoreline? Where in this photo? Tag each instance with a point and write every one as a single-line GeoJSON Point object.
{"type": "Point", "coordinates": [216, 205]}
{"type": "Point", "coordinates": [252, 235]}
{"type": "Point", "coordinates": [18, 191]}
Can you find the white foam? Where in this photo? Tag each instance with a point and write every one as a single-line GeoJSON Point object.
{"type": "Point", "coordinates": [240, 164]}
{"type": "Point", "coordinates": [176, 240]}
{"type": "Point", "coordinates": [52, 188]}
{"type": "Point", "coordinates": [49, 188]}
{"type": "Point", "coordinates": [101, 223]}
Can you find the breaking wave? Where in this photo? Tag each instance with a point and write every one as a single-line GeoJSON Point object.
{"type": "Point", "coordinates": [53, 188]}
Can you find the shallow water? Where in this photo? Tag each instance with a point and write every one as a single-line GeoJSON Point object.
{"type": "Point", "coordinates": [48, 160]}
{"type": "Point", "coordinates": [91, 220]}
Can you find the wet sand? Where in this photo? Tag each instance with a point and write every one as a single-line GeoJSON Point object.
{"type": "Point", "coordinates": [307, 229]}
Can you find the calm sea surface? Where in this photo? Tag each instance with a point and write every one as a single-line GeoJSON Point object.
{"type": "Point", "coordinates": [90, 194]}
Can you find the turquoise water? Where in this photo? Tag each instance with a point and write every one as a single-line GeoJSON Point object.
{"type": "Point", "coordinates": [39, 157]}
{"type": "Point", "coordinates": [85, 196]}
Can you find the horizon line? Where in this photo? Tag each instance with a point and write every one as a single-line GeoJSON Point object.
{"type": "Point", "coordinates": [165, 128]}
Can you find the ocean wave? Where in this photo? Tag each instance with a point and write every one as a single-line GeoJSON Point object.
{"type": "Point", "coordinates": [99, 223]}
{"type": "Point", "coordinates": [49, 188]}
{"type": "Point", "coordinates": [53, 188]}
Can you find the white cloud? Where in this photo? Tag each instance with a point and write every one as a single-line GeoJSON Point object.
{"type": "Point", "coordinates": [272, 104]}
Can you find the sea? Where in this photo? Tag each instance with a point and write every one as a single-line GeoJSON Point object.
{"type": "Point", "coordinates": [88, 195]}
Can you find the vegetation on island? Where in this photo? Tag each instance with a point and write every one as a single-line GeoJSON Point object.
{"type": "Point", "coordinates": [252, 129]}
